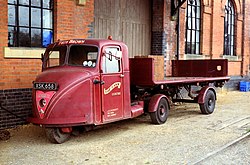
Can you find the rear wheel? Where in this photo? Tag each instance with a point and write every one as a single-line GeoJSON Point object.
{"type": "Point", "coordinates": [55, 135]}
{"type": "Point", "coordinates": [209, 103]}
{"type": "Point", "coordinates": [161, 114]}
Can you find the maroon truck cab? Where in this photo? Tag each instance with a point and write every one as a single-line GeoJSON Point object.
{"type": "Point", "coordinates": [84, 82]}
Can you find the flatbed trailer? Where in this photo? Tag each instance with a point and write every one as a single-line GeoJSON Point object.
{"type": "Point", "coordinates": [91, 82]}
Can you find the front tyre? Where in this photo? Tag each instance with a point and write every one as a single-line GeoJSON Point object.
{"type": "Point", "coordinates": [161, 114]}
{"type": "Point", "coordinates": [55, 135]}
{"type": "Point", "coordinates": [209, 103]}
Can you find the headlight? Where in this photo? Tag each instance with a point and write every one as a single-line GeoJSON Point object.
{"type": "Point", "coordinates": [42, 103]}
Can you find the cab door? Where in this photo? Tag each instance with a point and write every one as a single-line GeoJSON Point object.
{"type": "Point", "coordinates": [112, 87]}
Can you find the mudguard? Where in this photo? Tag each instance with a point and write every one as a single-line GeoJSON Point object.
{"type": "Point", "coordinates": [154, 101]}
{"type": "Point", "coordinates": [202, 94]}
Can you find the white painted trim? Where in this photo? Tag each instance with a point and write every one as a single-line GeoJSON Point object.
{"type": "Point", "coordinates": [23, 52]}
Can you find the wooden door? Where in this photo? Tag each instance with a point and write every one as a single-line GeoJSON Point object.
{"type": "Point", "coordinates": [126, 20]}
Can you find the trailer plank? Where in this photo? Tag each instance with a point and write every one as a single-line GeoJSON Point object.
{"type": "Point", "coordinates": [142, 74]}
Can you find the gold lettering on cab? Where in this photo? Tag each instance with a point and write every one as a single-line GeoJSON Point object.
{"type": "Point", "coordinates": [116, 94]}
{"type": "Point", "coordinates": [113, 86]}
{"type": "Point", "coordinates": [112, 112]}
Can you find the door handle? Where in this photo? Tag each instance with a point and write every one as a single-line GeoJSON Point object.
{"type": "Point", "coordinates": [122, 75]}
{"type": "Point", "coordinates": [95, 81]}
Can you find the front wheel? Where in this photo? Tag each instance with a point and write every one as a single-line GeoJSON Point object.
{"type": "Point", "coordinates": [161, 114]}
{"type": "Point", "coordinates": [209, 103]}
{"type": "Point", "coordinates": [55, 135]}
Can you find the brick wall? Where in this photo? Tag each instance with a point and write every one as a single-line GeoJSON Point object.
{"type": "Point", "coordinates": [212, 36]}
{"type": "Point", "coordinates": [3, 38]}
{"type": "Point", "coordinates": [158, 36]}
{"type": "Point", "coordinates": [70, 21]}
{"type": "Point", "coordinates": [246, 39]}
{"type": "Point", "coordinates": [73, 21]}
{"type": "Point", "coordinates": [16, 74]}
{"type": "Point", "coordinates": [163, 33]}
{"type": "Point", "coordinates": [171, 39]}
{"type": "Point", "coordinates": [18, 103]}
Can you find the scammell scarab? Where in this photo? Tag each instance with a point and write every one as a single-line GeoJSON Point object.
{"type": "Point", "coordinates": [90, 82]}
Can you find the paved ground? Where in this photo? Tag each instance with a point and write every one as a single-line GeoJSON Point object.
{"type": "Point", "coordinates": [188, 137]}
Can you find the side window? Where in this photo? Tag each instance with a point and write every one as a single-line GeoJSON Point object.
{"type": "Point", "coordinates": [110, 62]}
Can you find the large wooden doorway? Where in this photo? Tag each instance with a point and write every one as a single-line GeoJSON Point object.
{"type": "Point", "coordinates": [126, 20]}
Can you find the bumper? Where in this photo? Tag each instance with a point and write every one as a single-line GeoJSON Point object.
{"type": "Point", "coordinates": [58, 121]}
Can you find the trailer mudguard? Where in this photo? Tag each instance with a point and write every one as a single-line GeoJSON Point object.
{"type": "Point", "coordinates": [202, 94]}
{"type": "Point", "coordinates": [154, 102]}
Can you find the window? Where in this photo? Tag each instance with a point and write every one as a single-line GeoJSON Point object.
{"type": "Point", "coordinates": [30, 23]}
{"type": "Point", "coordinates": [229, 29]}
{"type": "Point", "coordinates": [193, 21]}
{"type": "Point", "coordinates": [80, 55]}
{"type": "Point", "coordinates": [111, 63]}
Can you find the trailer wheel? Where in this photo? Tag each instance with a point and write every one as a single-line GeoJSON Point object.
{"type": "Point", "coordinates": [209, 103]}
{"type": "Point", "coordinates": [161, 114]}
{"type": "Point", "coordinates": [55, 135]}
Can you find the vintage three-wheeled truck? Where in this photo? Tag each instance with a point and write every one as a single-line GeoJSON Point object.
{"type": "Point", "coordinates": [90, 82]}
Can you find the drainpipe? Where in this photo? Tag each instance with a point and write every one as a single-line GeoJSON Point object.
{"type": "Point", "coordinates": [242, 40]}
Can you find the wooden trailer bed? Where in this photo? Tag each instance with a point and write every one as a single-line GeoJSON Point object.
{"type": "Point", "coordinates": [191, 72]}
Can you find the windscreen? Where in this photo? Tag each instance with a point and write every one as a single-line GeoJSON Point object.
{"type": "Point", "coordinates": [79, 55]}
{"type": "Point", "coordinates": [55, 56]}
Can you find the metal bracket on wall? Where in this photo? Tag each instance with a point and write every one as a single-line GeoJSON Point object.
{"type": "Point", "coordinates": [1, 107]}
{"type": "Point", "coordinates": [175, 5]}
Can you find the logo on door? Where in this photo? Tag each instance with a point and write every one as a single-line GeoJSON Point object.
{"type": "Point", "coordinates": [113, 86]}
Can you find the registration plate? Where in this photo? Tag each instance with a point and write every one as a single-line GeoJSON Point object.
{"type": "Point", "coordinates": [45, 86]}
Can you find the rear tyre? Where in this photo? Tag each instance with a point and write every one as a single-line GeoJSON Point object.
{"type": "Point", "coordinates": [55, 135]}
{"type": "Point", "coordinates": [161, 114]}
{"type": "Point", "coordinates": [209, 103]}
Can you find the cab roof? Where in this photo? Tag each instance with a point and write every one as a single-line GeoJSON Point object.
{"type": "Point", "coordinates": [92, 41]}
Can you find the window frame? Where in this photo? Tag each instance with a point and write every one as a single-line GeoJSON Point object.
{"type": "Point", "coordinates": [229, 43]}
{"type": "Point", "coordinates": [16, 26]}
{"type": "Point", "coordinates": [193, 31]}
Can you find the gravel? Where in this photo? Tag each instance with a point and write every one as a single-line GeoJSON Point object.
{"type": "Point", "coordinates": [186, 137]}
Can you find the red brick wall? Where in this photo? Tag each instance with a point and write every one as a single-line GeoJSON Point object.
{"type": "Point", "coordinates": [163, 33]}
{"type": "Point", "coordinates": [14, 73]}
{"type": "Point", "coordinates": [70, 21]}
{"type": "Point", "coordinates": [213, 31]}
{"type": "Point", "coordinates": [246, 39]}
{"type": "Point", "coordinates": [206, 49]}
{"type": "Point", "coordinates": [73, 21]}
{"type": "Point", "coordinates": [170, 32]}
{"type": "Point", "coordinates": [3, 38]}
